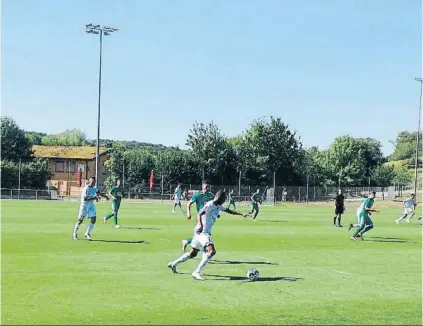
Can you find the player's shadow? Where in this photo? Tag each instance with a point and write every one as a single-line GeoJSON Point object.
{"type": "Point", "coordinates": [138, 228]}
{"type": "Point", "coordinates": [120, 241]}
{"type": "Point", "coordinates": [232, 262]}
{"type": "Point", "coordinates": [260, 279]}
{"type": "Point", "coordinates": [273, 221]}
{"type": "Point", "coordinates": [381, 239]}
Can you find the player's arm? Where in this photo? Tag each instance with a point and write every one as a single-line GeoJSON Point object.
{"type": "Point", "coordinates": [369, 209]}
{"type": "Point", "coordinates": [192, 201]}
{"type": "Point", "coordinates": [100, 194]}
{"type": "Point", "coordinates": [229, 211]}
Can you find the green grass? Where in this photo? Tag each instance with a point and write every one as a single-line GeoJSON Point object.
{"type": "Point", "coordinates": [311, 272]}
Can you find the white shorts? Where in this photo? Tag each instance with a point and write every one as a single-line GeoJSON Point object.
{"type": "Point", "coordinates": [177, 201]}
{"type": "Point", "coordinates": [201, 241]}
{"type": "Point", "coordinates": [408, 210]}
{"type": "Point", "coordinates": [85, 211]}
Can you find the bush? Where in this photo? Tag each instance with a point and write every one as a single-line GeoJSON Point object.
{"type": "Point", "coordinates": [34, 175]}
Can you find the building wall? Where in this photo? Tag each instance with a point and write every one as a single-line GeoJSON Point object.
{"type": "Point", "coordinates": [64, 172]}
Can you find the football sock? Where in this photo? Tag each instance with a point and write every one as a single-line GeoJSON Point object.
{"type": "Point", "coordinates": [339, 220]}
{"type": "Point", "coordinates": [334, 220]}
{"type": "Point", "coordinates": [89, 228]}
{"type": "Point", "coordinates": [189, 240]}
{"type": "Point", "coordinates": [204, 260]}
{"type": "Point", "coordinates": [77, 224]}
{"type": "Point", "coordinates": [109, 216]}
{"type": "Point", "coordinates": [181, 259]}
{"type": "Point", "coordinates": [115, 218]}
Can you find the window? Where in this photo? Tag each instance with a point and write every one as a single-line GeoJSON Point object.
{"type": "Point", "coordinates": [71, 167]}
{"type": "Point", "coordinates": [60, 166]}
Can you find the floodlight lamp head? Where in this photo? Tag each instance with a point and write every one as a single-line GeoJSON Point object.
{"type": "Point", "coordinates": [89, 31]}
{"type": "Point", "coordinates": [96, 26]}
{"type": "Point", "coordinates": [88, 25]}
{"type": "Point", "coordinates": [106, 33]}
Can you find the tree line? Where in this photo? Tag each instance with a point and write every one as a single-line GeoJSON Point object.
{"type": "Point", "coordinates": [267, 151]}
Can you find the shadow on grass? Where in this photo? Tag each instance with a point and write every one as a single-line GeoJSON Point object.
{"type": "Point", "coordinates": [119, 241]}
{"type": "Point", "coordinates": [393, 240]}
{"type": "Point", "coordinates": [232, 262]}
{"type": "Point", "coordinates": [273, 221]}
{"type": "Point", "coordinates": [260, 279]}
{"type": "Point", "coordinates": [137, 228]}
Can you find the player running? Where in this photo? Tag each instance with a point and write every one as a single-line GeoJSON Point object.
{"type": "Point", "coordinates": [116, 194]}
{"type": "Point", "coordinates": [339, 208]}
{"type": "Point", "coordinates": [202, 234]}
{"type": "Point", "coordinates": [200, 198]}
{"type": "Point", "coordinates": [177, 196]}
{"type": "Point", "coordinates": [410, 205]}
{"type": "Point", "coordinates": [89, 194]}
{"type": "Point", "coordinates": [366, 223]}
{"type": "Point", "coordinates": [358, 212]}
{"type": "Point", "coordinates": [255, 201]}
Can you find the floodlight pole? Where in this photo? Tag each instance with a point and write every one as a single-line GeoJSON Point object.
{"type": "Point", "coordinates": [418, 135]}
{"type": "Point", "coordinates": [97, 30]}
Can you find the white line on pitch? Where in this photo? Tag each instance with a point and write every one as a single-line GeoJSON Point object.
{"type": "Point", "coordinates": [344, 272]}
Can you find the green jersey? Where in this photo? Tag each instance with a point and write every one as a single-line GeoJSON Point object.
{"type": "Point", "coordinates": [255, 198]}
{"type": "Point", "coordinates": [117, 193]}
{"type": "Point", "coordinates": [367, 203]}
{"type": "Point", "coordinates": [201, 198]}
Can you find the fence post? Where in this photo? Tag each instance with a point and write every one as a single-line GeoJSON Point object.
{"type": "Point", "coordinates": [314, 193]}
{"type": "Point", "coordinates": [11, 193]}
{"type": "Point", "coordinates": [36, 194]}
{"type": "Point", "coordinates": [299, 194]}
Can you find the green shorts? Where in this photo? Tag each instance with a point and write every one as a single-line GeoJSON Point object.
{"type": "Point", "coordinates": [365, 220]}
{"type": "Point", "coordinates": [254, 206]}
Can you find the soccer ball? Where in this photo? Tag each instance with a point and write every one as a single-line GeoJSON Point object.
{"type": "Point", "coordinates": [253, 274]}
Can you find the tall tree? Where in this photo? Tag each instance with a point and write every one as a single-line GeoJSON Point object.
{"type": "Point", "coordinates": [14, 145]}
{"type": "Point", "coordinates": [209, 146]}
{"type": "Point", "coordinates": [272, 147]}
{"type": "Point", "coordinates": [405, 146]}
{"type": "Point", "coordinates": [70, 137]}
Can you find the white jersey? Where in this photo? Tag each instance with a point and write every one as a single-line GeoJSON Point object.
{"type": "Point", "coordinates": [178, 194]}
{"type": "Point", "coordinates": [88, 192]}
{"type": "Point", "coordinates": [410, 203]}
{"type": "Point", "coordinates": [207, 216]}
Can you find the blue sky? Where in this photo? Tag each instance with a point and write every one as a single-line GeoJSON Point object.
{"type": "Point", "coordinates": [328, 68]}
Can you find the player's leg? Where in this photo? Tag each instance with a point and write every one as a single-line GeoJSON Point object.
{"type": "Point", "coordinates": [207, 256]}
{"type": "Point", "coordinates": [410, 215]}
{"type": "Point", "coordinates": [91, 215]}
{"type": "Point", "coordinates": [107, 217]}
{"type": "Point", "coordinates": [80, 219]}
{"type": "Point", "coordinates": [180, 207]}
{"type": "Point", "coordinates": [256, 208]}
{"type": "Point", "coordinates": [367, 226]}
{"type": "Point", "coordinates": [233, 203]}
{"type": "Point", "coordinates": [359, 228]}
{"type": "Point", "coordinates": [115, 218]}
{"type": "Point", "coordinates": [403, 216]}
{"type": "Point", "coordinates": [336, 215]}
{"type": "Point", "coordinates": [188, 255]}
{"type": "Point", "coordinates": [174, 206]}
{"type": "Point", "coordinates": [339, 217]}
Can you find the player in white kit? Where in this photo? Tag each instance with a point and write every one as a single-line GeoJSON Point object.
{"type": "Point", "coordinates": [202, 234]}
{"type": "Point", "coordinates": [177, 196]}
{"type": "Point", "coordinates": [409, 209]}
{"type": "Point", "coordinates": [89, 194]}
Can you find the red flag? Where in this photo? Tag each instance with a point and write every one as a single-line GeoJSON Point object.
{"type": "Point", "coordinates": [79, 178]}
{"type": "Point", "coordinates": [152, 177]}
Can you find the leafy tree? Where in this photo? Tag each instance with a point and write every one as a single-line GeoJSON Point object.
{"type": "Point", "coordinates": [271, 147]}
{"type": "Point", "coordinates": [345, 160]}
{"type": "Point", "coordinates": [33, 174]}
{"type": "Point", "coordinates": [70, 137]}
{"type": "Point", "coordinates": [383, 176]}
{"type": "Point", "coordinates": [209, 146]}
{"type": "Point", "coordinates": [14, 144]}
{"type": "Point", "coordinates": [405, 145]}
{"type": "Point", "coordinates": [403, 176]}
{"type": "Point", "coordinates": [34, 138]}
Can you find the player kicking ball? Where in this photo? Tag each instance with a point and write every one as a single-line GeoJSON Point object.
{"type": "Point", "coordinates": [366, 223]}
{"type": "Point", "coordinates": [89, 194]}
{"type": "Point", "coordinates": [202, 234]}
{"type": "Point", "coordinates": [116, 195]}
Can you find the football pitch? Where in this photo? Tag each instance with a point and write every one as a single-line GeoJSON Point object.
{"type": "Point", "coordinates": [310, 272]}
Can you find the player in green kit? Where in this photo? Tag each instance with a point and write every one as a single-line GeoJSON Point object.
{"type": "Point", "coordinates": [231, 199]}
{"type": "Point", "coordinates": [255, 200]}
{"type": "Point", "coordinates": [116, 195]}
{"type": "Point", "coordinates": [366, 223]}
{"type": "Point", "coordinates": [200, 199]}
